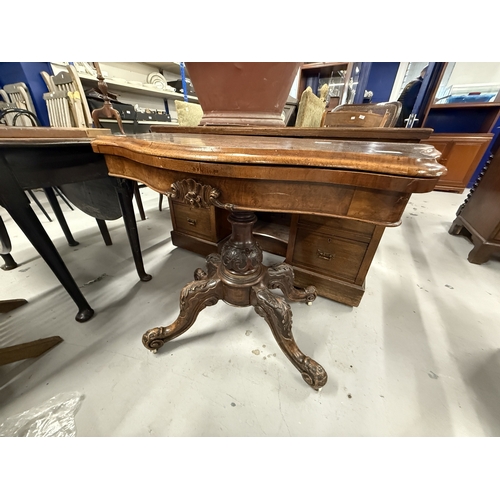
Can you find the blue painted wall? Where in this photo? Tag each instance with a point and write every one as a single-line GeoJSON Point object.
{"type": "Point", "coordinates": [29, 73]}
{"type": "Point", "coordinates": [381, 80]}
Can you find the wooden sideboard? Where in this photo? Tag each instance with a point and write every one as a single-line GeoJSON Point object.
{"type": "Point", "coordinates": [331, 253]}
{"type": "Point", "coordinates": [460, 154]}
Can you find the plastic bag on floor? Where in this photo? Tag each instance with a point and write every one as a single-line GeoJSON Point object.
{"type": "Point", "coordinates": [55, 418]}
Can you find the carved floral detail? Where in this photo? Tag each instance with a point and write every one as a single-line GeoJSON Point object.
{"type": "Point", "coordinates": [241, 259]}
{"type": "Point", "coordinates": [197, 195]}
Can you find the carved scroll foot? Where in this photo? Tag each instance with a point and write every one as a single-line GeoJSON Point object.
{"type": "Point", "coordinates": [281, 276]}
{"type": "Point", "coordinates": [278, 316]}
{"type": "Point", "coordinates": [213, 262]}
{"type": "Point", "coordinates": [195, 296]}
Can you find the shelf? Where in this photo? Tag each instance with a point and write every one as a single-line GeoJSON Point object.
{"type": "Point", "coordinates": [323, 69]}
{"type": "Point", "coordinates": [126, 87]}
{"type": "Point", "coordinates": [141, 122]}
{"type": "Point", "coordinates": [322, 64]}
{"type": "Point", "coordinates": [465, 105]}
{"type": "Point", "coordinates": [466, 118]}
{"type": "Point", "coordinates": [171, 67]}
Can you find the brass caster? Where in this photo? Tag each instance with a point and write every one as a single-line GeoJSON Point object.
{"type": "Point", "coordinates": [154, 351]}
{"type": "Point", "coordinates": [309, 303]}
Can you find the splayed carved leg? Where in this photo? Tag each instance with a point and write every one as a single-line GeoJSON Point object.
{"type": "Point", "coordinates": [195, 296]}
{"type": "Point", "coordinates": [278, 316]}
{"type": "Point", "coordinates": [281, 276]}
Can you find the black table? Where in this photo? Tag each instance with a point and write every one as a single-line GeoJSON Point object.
{"type": "Point", "coordinates": [42, 158]}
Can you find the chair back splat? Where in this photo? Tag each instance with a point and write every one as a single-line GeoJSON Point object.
{"type": "Point", "coordinates": [383, 114]}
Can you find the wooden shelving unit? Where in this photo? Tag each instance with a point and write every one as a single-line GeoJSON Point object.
{"type": "Point", "coordinates": [324, 70]}
{"type": "Point", "coordinates": [463, 133]}
{"type": "Point", "coordinates": [135, 89]}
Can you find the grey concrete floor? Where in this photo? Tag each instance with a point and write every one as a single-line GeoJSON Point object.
{"type": "Point", "coordinates": [419, 356]}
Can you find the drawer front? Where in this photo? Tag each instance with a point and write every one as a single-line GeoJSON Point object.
{"type": "Point", "coordinates": [328, 255]}
{"type": "Point", "coordinates": [343, 228]}
{"type": "Point", "coordinates": [193, 221]}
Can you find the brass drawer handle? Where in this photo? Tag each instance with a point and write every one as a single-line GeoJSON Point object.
{"type": "Point", "coordinates": [323, 255]}
{"type": "Point", "coordinates": [192, 222]}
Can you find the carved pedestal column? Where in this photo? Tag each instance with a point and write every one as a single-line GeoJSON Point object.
{"type": "Point", "coordinates": [238, 277]}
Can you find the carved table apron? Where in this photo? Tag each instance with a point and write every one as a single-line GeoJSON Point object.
{"type": "Point", "coordinates": [370, 182]}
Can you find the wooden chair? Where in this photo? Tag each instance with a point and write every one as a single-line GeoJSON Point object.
{"type": "Point", "coordinates": [66, 102]}
{"type": "Point", "coordinates": [311, 108]}
{"type": "Point", "coordinates": [17, 106]}
{"type": "Point", "coordinates": [384, 114]}
{"type": "Point", "coordinates": [18, 96]}
{"type": "Point", "coordinates": [189, 114]}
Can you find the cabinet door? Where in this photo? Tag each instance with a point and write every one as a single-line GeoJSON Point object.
{"type": "Point", "coordinates": [460, 155]}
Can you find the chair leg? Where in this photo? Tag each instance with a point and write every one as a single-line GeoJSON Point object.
{"type": "Point", "coordinates": [138, 200]}
{"type": "Point", "coordinates": [51, 196]}
{"type": "Point", "coordinates": [160, 202]}
{"type": "Point", "coordinates": [63, 198]}
{"type": "Point", "coordinates": [104, 232]}
{"type": "Point", "coordinates": [35, 199]}
{"type": "Point", "coordinates": [5, 248]}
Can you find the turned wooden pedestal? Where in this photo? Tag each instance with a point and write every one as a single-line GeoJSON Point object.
{"type": "Point", "coordinates": [238, 277]}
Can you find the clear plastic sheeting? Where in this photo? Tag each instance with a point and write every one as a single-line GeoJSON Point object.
{"type": "Point", "coordinates": [55, 418]}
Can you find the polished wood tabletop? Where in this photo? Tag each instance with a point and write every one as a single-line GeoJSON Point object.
{"type": "Point", "coordinates": [418, 160]}
{"type": "Point", "coordinates": [369, 181]}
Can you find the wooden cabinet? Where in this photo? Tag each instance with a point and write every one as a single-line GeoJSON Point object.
{"type": "Point", "coordinates": [479, 216]}
{"type": "Point", "coordinates": [460, 154]}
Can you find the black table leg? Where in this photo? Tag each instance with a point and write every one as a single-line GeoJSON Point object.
{"type": "Point", "coordinates": [40, 206]}
{"type": "Point", "coordinates": [5, 248]}
{"type": "Point", "coordinates": [15, 201]}
{"type": "Point", "coordinates": [138, 200]}
{"type": "Point", "coordinates": [104, 232]}
{"type": "Point", "coordinates": [51, 196]}
{"type": "Point", "coordinates": [9, 262]}
{"type": "Point", "coordinates": [125, 190]}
